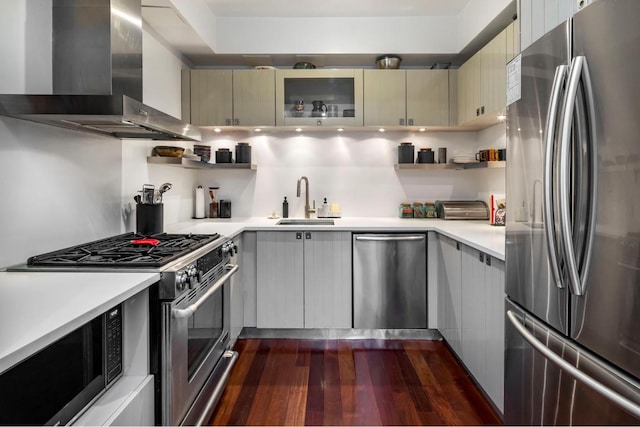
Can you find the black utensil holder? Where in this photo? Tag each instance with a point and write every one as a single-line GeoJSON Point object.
{"type": "Point", "coordinates": [149, 219]}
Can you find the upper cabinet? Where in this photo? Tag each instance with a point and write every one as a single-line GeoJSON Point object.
{"type": "Point", "coordinates": [229, 97]}
{"type": "Point", "coordinates": [210, 97]}
{"type": "Point", "coordinates": [254, 98]}
{"type": "Point", "coordinates": [318, 97]}
{"type": "Point", "coordinates": [539, 17]}
{"type": "Point", "coordinates": [406, 98]}
{"type": "Point", "coordinates": [428, 98]}
{"type": "Point", "coordinates": [482, 83]}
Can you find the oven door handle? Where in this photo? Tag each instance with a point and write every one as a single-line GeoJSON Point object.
{"type": "Point", "coordinates": [180, 313]}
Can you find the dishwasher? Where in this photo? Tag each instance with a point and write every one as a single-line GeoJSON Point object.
{"type": "Point", "coordinates": [389, 281]}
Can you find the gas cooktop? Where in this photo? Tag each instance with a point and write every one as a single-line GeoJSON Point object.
{"type": "Point", "coordinates": [125, 250]}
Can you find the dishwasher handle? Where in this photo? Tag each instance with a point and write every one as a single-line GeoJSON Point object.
{"type": "Point", "coordinates": [388, 238]}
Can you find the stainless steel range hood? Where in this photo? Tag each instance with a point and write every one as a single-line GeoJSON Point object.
{"type": "Point", "coordinates": [97, 76]}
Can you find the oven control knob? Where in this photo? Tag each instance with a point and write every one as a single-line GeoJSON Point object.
{"type": "Point", "coordinates": [192, 273]}
{"type": "Point", "coordinates": [225, 249]}
{"type": "Point", "coordinates": [181, 280]}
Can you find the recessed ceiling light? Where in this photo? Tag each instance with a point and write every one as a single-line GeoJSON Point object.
{"type": "Point", "coordinates": [217, 130]}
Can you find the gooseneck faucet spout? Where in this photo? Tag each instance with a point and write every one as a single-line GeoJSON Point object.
{"type": "Point", "coordinates": [307, 208]}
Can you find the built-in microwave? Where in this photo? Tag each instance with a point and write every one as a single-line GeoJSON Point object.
{"type": "Point", "coordinates": [55, 385]}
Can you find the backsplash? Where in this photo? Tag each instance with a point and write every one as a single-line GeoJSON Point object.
{"type": "Point", "coordinates": [355, 170]}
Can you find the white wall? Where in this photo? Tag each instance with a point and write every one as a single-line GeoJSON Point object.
{"type": "Point", "coordinates": [161, 90]}
{"type": "Point", "coordinates": [355, 170]}
{"type": "Point", "coordinates": [25, 46]}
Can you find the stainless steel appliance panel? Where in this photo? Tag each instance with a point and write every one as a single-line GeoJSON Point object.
{"type": "Point", "coordinates": [195, 336]}
{"type": "Point", "coordinates": [529, 279]}
{"type": "Point", "coordinates": [389, 281]}
{"type": "Point", "coordinates": [543, 393]}
{"type": "Point", "coordinates": [606, 319]}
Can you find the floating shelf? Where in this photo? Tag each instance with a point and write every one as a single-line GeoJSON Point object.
{"type": "Point", "coordinates": [454, 166]}
{"type": "Point", "coordinates": [196, 164]}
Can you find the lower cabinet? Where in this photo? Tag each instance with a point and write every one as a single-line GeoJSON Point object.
{"type": "Point", "coordinates": [450, 291]}
{"type": "Point", "coordinates": [303, 279]}
{"type": "Point", "coordinates": [471, 310]}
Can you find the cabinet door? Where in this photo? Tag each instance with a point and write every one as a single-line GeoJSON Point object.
{"type": "Point", "coordinates": [469, 89]}
{"type": "Point", "coordinates": [212, 97]}
{"type": "Point", "coordinates": [493, 75]}
{"type": "Point", "coordinates": [280, 279]}
{"type": "Point", "coordinates": [513, 40]}
{"type": "Point", "coordinates": [384, 98]}
{"type": "Point", "coordinates": [254, 98]}
{"type": "Point", "coordinates": [450, 292]}
{"type": "Point", "coordinates": [427, 97]}
{"type": "Point", "coordinates": [341, 89]}
{"type": "Point", "coordinates": [327, 280]}
{"type": "Point", "coordinates": [474, 315]}
{"type": "Point", "coordinates": [494, 349]}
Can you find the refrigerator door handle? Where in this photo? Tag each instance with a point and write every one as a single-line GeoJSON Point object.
{"type": "Point", "coordinates": [576, 373]}
{"type": "Point", "coordinates": [578, 64]}
{"type": "Point", "coordinates": [549, 140]}
{"type": "Point", "coordinates": [592, 146]}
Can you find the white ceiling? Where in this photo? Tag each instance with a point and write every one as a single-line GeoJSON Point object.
{"type": "Point", "coordinates": [164, 19]}
{"type": "Point", "coordinates": [335, 8]}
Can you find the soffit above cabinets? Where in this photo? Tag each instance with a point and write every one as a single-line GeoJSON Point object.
{"type": "Point", "coordinates": [337, 33]}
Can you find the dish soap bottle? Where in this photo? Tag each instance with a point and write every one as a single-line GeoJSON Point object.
{"type": "Point", "coordinates": [285, 208]}
{"type": "Point", "coordinates": [323, 212]}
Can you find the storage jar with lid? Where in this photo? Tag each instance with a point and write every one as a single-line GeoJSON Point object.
{"type": "Point", "coordinates": [243, 152]}
{"type": "Point", "coordinates": [418, 210]}
{"type": "Point", "coordinates": [405, 152]}
{"type": "Point", "coordinates": [406, 211]}
{"type": "Point", "coordinates": [430, 210]}
{"type": "Point", "coordinates": [425, 155]}
{"type": "Point", "coordinates": [223, 155]}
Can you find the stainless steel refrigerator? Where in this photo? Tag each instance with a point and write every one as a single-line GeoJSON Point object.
{"type": "Point", "coordinates": [572, 350]}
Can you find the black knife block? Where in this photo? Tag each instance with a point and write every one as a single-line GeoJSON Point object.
{"type": "Point", "coordinates": [149, 219]}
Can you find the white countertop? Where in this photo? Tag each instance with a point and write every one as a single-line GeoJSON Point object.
{"type": "Point", "coordinates": [36, 309]}
{"type": "Point", "coordinates": [477, 234]}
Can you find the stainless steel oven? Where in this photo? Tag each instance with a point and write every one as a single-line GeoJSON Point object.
{"type": "Point", "coordinates": [195, 337]}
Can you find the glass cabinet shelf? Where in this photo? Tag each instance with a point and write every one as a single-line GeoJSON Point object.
{"type": "Point", "coordinates": [319, 97]}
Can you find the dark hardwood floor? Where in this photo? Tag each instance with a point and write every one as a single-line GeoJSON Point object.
{"type": "Point", "coordinates": [350, 382]}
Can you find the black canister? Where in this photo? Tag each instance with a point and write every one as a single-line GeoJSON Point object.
{"type": "Point", "coordinates": [405, 152]}
{"type": "Point", "coordinates": [425, 155]}
{"type": "Point", "coordinates": [225, 208]}
{"type": "Point", "coordinates": [149, 219]}
{"type": "Point", "coordinates": [243, 152]}
{"type": "Point", "coordinates": [223, 155]}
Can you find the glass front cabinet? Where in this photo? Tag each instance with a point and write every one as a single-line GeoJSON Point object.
{"type": "Point", "coordinates": [319, 98]}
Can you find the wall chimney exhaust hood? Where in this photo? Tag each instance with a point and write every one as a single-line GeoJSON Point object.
{"type": "Point", "coordinates": [97, 76]}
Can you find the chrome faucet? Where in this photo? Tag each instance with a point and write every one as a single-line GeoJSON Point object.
{"type": "Point", "coordinates": [307, 207]}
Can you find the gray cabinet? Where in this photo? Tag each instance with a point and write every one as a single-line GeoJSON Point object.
{"type": "Point", "coordinates": [229, 97]}
{"type": "Point", "coordinates": [450, 292]}
{"type": "Point", "coordinates": [406, 98]}
{"type": "Point", "coordinates": [482, 320]}
{"type": "Point", "coordinates": [303, 279]}
{"type": "Point", "coordinates": [471, 310]}
{"type": "Point", "coordinates": [537, 17]}
{"type": "Point", "coordinates": [254, 98]}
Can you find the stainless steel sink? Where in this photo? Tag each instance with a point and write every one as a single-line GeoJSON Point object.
{"type": "Point", "coordinates": [305, 221]}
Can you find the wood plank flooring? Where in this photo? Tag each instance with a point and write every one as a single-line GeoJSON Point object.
{"type": "Point", "coordinates": [350, 382]}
